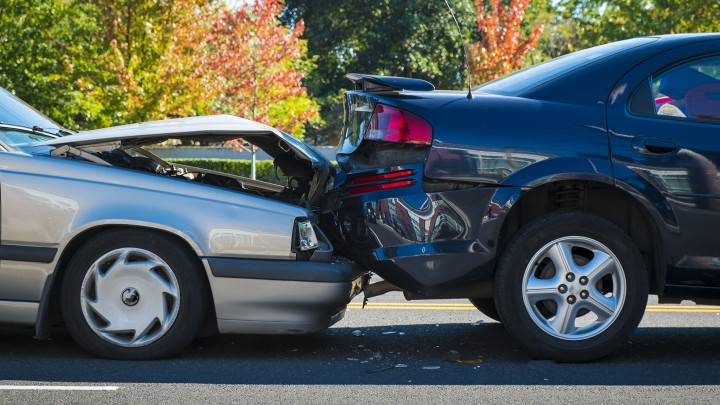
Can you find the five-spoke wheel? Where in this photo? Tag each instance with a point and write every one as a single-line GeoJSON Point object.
{"type": "Point", "coordinates": [571, 286]}
{"type": "Point", "coordinates": [574, 287]}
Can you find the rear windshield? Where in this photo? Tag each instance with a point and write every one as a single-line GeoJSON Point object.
{"type": "Point", "coordinates": [533, 76]}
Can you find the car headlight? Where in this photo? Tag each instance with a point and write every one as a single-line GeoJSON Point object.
{"type": "Point", "coordinates": [306, 236]}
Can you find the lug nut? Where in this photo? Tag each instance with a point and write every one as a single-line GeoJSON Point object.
{"type": "Point", "coordinates": [584, 294]}
{"type": "Point", "coordinates": [583, 280]}
{"type": "Point", "coordinates": [571, 299]}
{"type": "Point", "coordinates": [562, 288]}
{"type": "Point", "coordinates": [570, 277]}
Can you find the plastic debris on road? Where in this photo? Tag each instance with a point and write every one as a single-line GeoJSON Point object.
{"type": "Point", "coordinates": [357, 333]}
{"type": "Point", "coordinates": [390, 367]}
{"type": "Point", "coordinates": [470, 361]}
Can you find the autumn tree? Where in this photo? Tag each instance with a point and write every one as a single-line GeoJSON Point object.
{"type": "Point", "coordinates": [502, 46]}
{"type": "Point", "coordinates": [139, 80]}
{"type": "Point", "coordinates": [254, 66]}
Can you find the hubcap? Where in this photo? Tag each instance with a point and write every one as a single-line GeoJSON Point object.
{"type": "Point", "coordinates": [574, 288]}
{"type": "Point", "coordinates": [130, 297]}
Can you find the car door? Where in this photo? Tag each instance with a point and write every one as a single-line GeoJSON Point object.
{"type": "Point", "coordinates": [664, 128]}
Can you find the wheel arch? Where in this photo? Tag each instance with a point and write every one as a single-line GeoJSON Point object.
{"type": "Point", "coordinates": [600, 198]}
{"type": "Point", "coordinates": [49, 312]}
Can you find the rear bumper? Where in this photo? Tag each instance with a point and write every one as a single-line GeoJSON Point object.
{"type": "Point", "coordinates": [281, 297]}
{"type": "Point", "coordinates": [425, 242]}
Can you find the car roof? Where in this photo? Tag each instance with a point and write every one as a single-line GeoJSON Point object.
{"type": "Point", "coordinates": [593, 82]}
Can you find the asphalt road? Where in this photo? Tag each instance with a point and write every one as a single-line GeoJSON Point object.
{"type": "Point", "coordinates": [390, 352]}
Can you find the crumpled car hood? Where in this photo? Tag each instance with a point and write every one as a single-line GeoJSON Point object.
{"type": "Point", "coordinates": [212, 128]}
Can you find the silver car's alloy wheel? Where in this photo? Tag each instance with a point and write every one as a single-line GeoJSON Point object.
{"type": "Point", "coordinates": [574, 288]}
{"type": "Point", "coordinates": [130, 297]}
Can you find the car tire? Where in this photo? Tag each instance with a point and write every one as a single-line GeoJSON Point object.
{"type": "Point", "coordinates": [134, 295]}
{"type": "Point", "coordinates": [487, 307]}
{"type": "Point", "coordinates": [571, 286]}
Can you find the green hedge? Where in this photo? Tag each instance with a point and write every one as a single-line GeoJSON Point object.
{"type": "Point", "coordinates": [264, 168]}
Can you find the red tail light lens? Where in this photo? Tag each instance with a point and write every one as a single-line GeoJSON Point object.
{"type": "Point", "coordinates": [383, 176]}
{"type": "Point", "coordinates": [383, 186]}
{"type": "Point", "coordinates": [392, 124]}
{"type": "Point", "coordinates": [360, 185]}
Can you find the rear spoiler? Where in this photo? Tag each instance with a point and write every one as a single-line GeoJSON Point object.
{"type": "Point", "coordinates": [377, 84]}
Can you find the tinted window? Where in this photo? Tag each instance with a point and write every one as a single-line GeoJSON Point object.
{"type": "Point", "coordinates": [690, 91]}
{"type": "Point", "coordinates": [533, 76]}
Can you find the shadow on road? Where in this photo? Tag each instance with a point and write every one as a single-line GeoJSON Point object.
{"type": "Point", "coordinates": [653, 356]}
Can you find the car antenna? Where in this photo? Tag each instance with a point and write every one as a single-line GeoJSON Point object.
{"type": "Point", "coordinates": [465, 57]}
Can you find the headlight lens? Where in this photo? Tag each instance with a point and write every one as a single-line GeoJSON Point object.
{"type": "Point", "coordinates": [306, 235]}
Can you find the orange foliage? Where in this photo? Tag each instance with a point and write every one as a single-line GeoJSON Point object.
{"type": "Point", "coordinates": [197, 57]}
{"type": "Point", "coordinates": [502, 47]}
{"type": "Point", "coordinates": [244, 62]}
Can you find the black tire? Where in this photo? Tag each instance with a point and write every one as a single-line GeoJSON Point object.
{"type": "Point", "coordinates": [487, 307]}
{"type": "Point", "coordinates": [143, 279]}
{"type": "Point", "coordinates": [611, 302]}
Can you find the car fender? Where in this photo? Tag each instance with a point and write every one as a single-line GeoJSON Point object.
{"type": "Point", "coordinates": [49, 210]}
{"type": "Point", "coordinates": [561, 169]}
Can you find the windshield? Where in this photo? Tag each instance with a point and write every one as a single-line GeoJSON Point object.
{"type": "Point", "coordinates": [533, 76]}
{"type": "Point", "coordinates": [16, 112]}
{"type": "Point", "coordinates": [14, 139]}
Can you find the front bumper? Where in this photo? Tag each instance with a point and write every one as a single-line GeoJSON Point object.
{"type": "Point", "coordinates": [281, 297]}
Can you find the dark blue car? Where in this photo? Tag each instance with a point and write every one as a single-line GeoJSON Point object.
{"type": "Point", "coordinates": [555, 198]}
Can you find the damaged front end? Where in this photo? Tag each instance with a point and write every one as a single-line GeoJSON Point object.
{"type": "Point", "coordinates": [306, 171]}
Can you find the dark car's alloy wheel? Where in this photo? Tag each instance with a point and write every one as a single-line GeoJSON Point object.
{"type": "Point", "coordinates": [133, 295]}
{"type": "Point", "coordinates": [571, 286]}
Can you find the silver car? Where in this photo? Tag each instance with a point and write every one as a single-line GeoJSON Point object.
{"type": "Point", "coordinates": [137, 256]}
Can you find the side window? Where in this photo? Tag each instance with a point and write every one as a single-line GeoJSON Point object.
{"type": "Point", "coordinates": [690, 91]}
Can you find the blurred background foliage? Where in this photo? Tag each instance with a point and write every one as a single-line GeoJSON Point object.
{"type": "Point", "coordinates": [94, 63]}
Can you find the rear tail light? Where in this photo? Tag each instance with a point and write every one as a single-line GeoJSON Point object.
{"type": "Point", "coordinates": [378, 187]}
{"type": "Point", "coordinates": [377, 182]}
{"type": "Point", "coordinates": [392, 124]}
{"type": "Point", "coordinates": [384, 176]}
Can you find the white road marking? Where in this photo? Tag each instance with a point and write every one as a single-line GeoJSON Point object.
{"type": "Point", "coordinates": [59, 387]}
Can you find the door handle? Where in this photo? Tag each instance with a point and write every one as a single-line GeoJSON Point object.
{"type": "Point", "coordinates": [653, 146]}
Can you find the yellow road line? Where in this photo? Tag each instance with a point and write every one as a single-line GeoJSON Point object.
{"type": "Point", "coordinates": [469, 307]}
